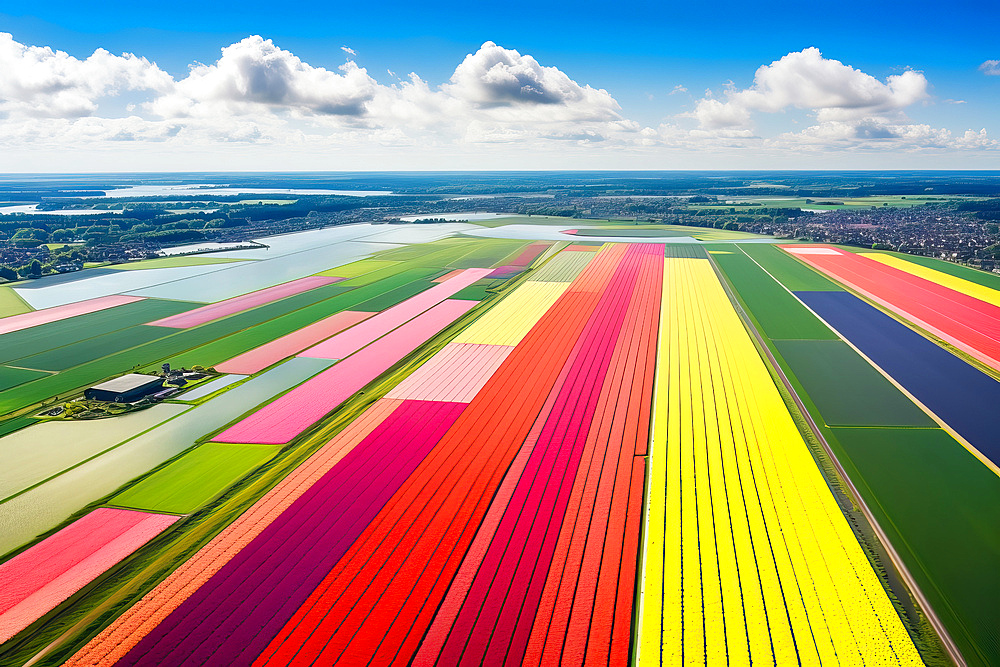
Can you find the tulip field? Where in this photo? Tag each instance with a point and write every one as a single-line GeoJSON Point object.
{"type": "Point", "coordinates": [440, 447]}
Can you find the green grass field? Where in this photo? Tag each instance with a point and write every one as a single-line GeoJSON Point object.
{"type": "Point", "coordinates": [193, 479]}
{"type": "Point", "coordinates": [940, 507]}
{"type": "Point", "coordinates": [84, 351]}
{"type": "Point", "coordinates": [72, 331]}
{"type": "Point", "coordinates": [11, 303]}
{"type": "Point", "coordinates": [394, 296]}
{"type": "Point", "coordinates": [359, 268]}
{"type": "Point", "coordinates": [844, 387]}
{"type": "Point", "coordinates": [777, 312]}
{"type": "Point", "coordinates": [12, 377]}
{"type": "Point", "coordinates": [685, 250]}
{"type": "Point", "coordinates": [787, 270]}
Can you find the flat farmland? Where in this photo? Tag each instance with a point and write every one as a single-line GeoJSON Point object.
{"type": "Point", "coordinates": [462, 443]}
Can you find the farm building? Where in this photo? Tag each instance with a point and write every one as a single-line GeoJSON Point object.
{"type": "Point", "coordinates": [125, 389]}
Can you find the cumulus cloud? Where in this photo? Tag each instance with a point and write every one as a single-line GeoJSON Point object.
{"type": "Point", "coordinates": [806, 80]}
{"type": "Point", "coordinates": [254, 73]}
{"type": "Point", "coordinates": [495, 77]}
{"type": "Point", "coordinates": [497, 99]}
{"type": "Point", "coordinates": [990, 68]}
{"type": "Point", "coordinates": [39, 81]}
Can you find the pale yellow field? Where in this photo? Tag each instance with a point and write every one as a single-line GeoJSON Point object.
{"type": "Point", "coordinates": [748, 558]}
{"type": "Point", "coordinates": [510, 320]}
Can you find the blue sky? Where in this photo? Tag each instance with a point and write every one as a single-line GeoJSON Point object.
{"type": "Point", "coordinates": [638, 52]}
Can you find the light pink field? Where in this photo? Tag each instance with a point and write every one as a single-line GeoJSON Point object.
{"type": "Point", "coordinates": [56, 313]}
{"type": "Point", "coordinates": [261, 357]}
{"type": "Point", "coordinates": [238, 304]}
{"type": "Point", "coordinates": [35, 581]}
{"type": "Point", "coordinates": [455, 374]}
{"type": "Point", "coordinates": [355, 338]}
{"type": "Point", "coordinates": [290, 415]}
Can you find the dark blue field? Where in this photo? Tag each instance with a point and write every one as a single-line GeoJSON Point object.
{"type": "Point", "coordinates": [964, 397]}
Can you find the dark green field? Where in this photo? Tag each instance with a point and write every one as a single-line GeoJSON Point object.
{"type": "Point", "coordinates": [940, 507]}
{"type": "Point", "coordinates": [75, 354]}
{"type": "Point", "coordinates": [685, 250]}
{"type": "Point", "coordinates": [394, 296]}
{"type": "Point", "coordinates": [36, 340]}
{"type": "Point", "coordinates": [11, 377]}
{"type": "Point", "coordinates": [846, 389]}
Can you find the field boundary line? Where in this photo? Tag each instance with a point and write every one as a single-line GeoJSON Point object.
{"type": "Point", "coordinates": [949, 644]}
{"type": "Point", "coordinates": [912, 324]}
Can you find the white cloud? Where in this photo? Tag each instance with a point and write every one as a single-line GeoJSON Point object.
{"type": "Point", "coordinates": [38, 81]}
{"type": "Point", "coordinates": [990, 68]}
{"type": "Point", "coordinates": [498, 101]}
{"type": "Point", "coordinates": [348, 50]}
{"type": "Point", "coordinates": [254, 73]}
{"type": "Point", "coordinates": [497, 78]}
{"type": "Point", "coordinates": [806, 80]}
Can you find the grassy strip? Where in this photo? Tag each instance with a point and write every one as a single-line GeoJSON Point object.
{"type": "Point", "coordinates": [45, 337]}
{"type": "Point", "coordinates": [15, 424]}
{"type": "Point", "coordinates": [194, 479]}
{"type": "Point", "coordinates": [479, 290]}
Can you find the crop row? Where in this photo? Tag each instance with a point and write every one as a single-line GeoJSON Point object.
{"type": "Point", "coordinates": [748, 556]}
{"type": "Point", "coordinates": [143, 617]}
{"type": "Point", "coordinates": [433, 518]}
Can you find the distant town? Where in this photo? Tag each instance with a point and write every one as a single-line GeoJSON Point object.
{"type": "Point", "coordinates": [64, 227]}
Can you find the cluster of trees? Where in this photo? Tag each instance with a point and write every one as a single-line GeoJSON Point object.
{"type": "Point", "coordinates": [986, 209]}
{"type": "Point", "coordinates": [35, 267]}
